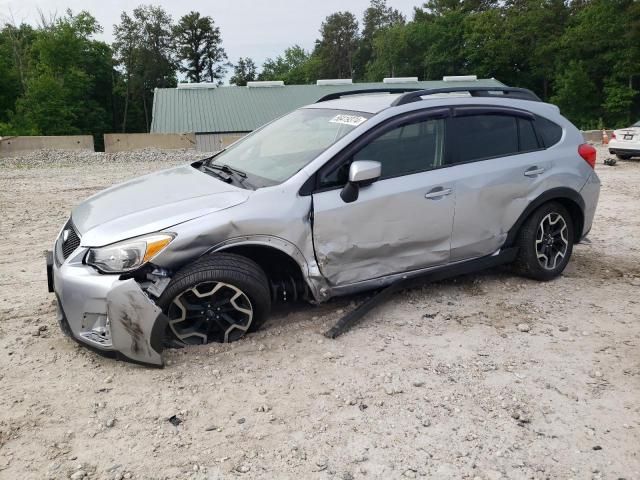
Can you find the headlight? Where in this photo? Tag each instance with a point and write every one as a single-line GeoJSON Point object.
{"type": "Point", "coordinates": [128, 255]}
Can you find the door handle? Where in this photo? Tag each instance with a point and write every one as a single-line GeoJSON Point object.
{"type": "Point", "coordinates": [533, 171]}
{"type": "Point", "coordinates": [438, 192]}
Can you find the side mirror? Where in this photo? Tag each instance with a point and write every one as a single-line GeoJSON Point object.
{"type": "Point", "coordinates": [361, 174]}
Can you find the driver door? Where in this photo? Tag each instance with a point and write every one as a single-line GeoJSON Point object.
{"type": "Point", "coordinates": [401, 222]}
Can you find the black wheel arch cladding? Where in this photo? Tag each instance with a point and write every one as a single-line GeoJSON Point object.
{"type": "Point", "coordinates": [568, 198]}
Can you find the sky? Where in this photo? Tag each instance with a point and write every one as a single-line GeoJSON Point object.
{"type": "Point", "coordinates": [255, 29]}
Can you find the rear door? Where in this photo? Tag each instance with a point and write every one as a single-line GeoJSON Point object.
{"type": "Point", "coordinates": [498, 164]}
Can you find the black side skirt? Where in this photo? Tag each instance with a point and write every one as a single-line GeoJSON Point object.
{"type": "Point", "coordinates": [350, 319]}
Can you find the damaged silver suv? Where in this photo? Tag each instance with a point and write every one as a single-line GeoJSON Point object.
{"type": "Point", "coordinates": [351, 193]}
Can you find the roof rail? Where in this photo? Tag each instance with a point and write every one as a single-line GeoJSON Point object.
{"type": "Point", "coordinates": [336, 95]}
{"type": "Point", "coordinates": [475, 91]}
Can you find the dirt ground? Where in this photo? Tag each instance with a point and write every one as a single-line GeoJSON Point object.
{"type": "Point", "coordinates": [440, 382]}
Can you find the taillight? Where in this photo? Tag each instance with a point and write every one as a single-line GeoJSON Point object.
{"type": "Point", "coordinates": [613, 135]}
{"type": "Point", "coordinates": [588, 152]}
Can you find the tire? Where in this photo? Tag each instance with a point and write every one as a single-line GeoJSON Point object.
{"type": "Point", "coordinates": [538, 256]}
{"type": "Point", "coordinates": [623, 157]}
{"type": "Point", "coordinates": [218, 298]}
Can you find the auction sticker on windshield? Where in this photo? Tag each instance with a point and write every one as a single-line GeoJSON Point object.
{"type": "Point", "coordinates": [353, 120]}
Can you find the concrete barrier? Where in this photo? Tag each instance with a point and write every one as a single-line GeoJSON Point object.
{"type": "Point", "coordinates": [14, 145]}
{"type": "Point", "coordinates": [125, 142]}
{"type": "Point", "coordinates": [594, 136]}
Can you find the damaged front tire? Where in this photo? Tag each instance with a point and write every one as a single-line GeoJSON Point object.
{"type": "Point", "coordinates": [218, 298]}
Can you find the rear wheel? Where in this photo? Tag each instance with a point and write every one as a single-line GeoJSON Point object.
{"type": "Point", "coordinates": [623, 157]}
{"type": "Point", "coordinates": [545, 242]}
{"type": "Point", "coordinates": [218, 298]}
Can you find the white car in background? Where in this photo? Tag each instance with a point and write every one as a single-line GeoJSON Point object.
{"type": "Point", "coordinates": [625, 143]}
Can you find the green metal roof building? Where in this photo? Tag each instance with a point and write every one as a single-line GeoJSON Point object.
{"type": "Point", "coordinates": [219, 116]}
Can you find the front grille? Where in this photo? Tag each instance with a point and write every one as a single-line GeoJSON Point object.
{"type": "Point", "coordinates": [69, 239]}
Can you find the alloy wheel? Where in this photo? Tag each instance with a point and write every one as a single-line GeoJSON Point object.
{"type": "Point", "coordinates": [551, 240]}
{"type": "Point", "coordinates": [210, 312]}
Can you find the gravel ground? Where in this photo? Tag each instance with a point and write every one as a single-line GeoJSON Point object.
{"type": "Point", "coordinates": [485, 376]}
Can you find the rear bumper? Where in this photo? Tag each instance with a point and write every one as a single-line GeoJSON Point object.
{"type": "Point", "coordinates": [635, 152]}
{"type": "Point", "coordinates": [622, 147]}
{"type": "Point", "coordinates": [107, 314]}
{"type": "Point", "coordinates": [590, 194]}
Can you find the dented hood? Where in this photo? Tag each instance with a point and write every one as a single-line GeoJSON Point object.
{"type": "Point", "coordinates": [152, 203]}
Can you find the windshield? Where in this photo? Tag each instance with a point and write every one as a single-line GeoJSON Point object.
{"type": "Point", "coordinates": [280, 149]}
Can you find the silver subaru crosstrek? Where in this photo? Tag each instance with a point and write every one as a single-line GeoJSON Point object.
{"type": "Point", "coordinates": [351, 193]}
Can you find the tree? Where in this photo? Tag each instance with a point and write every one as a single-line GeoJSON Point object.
{"type": "Point", "coordinates": [199, 49]}
{"type": "Point", "coordinates": [144, 50]}
{"type": "Point", "coordinates": [390, 55]}
{"type": "Point", "coordinates": [14, 45]}
{"type": "Point", "coordinates": [609, 55]}
{"type": "Point", "coordinates": [128, 38]}
{"type": "Point", "coordinates": [292, 67]}
{"type": "Point", "coordinates": [244, 71]}
{"type": "Point", "coordinates": [157, 65]}
{"type": "Point", "coordinates": [442, 7]}
{"type": "Point", "coordinates": [337, 45]}
{"type": "Point", "coordinates": [68, 82]}
{"type": "Point", "coordinates": [618, 102]}
{"type": "Point", "coordinates": [377, 18]}
{"type": "Point", "coordinates": [577, 95]}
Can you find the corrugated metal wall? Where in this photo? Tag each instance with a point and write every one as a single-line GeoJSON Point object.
{"type": "Point", "coordinates": [213, 142]}
{"type": "Point", "coordinates": [243, 109]}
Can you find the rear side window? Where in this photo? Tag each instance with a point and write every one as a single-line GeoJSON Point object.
{"type": "Point", "coordinates": [528, 139]}
{"type": "Point", "coordinates": [549, 132]}
{"type": "Point", "coordinates": [477, 137]}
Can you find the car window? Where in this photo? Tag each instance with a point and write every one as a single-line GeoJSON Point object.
{"type": "Point", "coordinates": [280, 149]}
{"type": "Point", "coordinates": [476, 137]}
{"type": "Point", "coordinates": [550, 133]}
{"type": "Point", "coordinates": [410, 148]}
{"type": "Point", "coordinates": [528, 139]}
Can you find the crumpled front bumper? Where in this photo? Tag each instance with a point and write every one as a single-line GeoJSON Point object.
{"type": "Point", "coordinates": [106, 313]}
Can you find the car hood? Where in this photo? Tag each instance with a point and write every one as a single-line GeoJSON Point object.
{"type": "Point", "coordinates": [152, 203]}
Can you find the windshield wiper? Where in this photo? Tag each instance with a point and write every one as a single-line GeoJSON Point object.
{"type": "Point", "coordinates": [217, 172]}
{"type": "Point", "coordinates": [227, 169]}
{"type": "Point", "coordinates": [230, 172]}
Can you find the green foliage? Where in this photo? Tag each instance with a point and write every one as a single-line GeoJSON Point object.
{"type": "Point", "coordinates": [294, 66]}
{"type": "Point", "coordinates": [67, 80]}
{"type": "Point", "coordinates": [199, 48]}
{"type": "Point", "coordinates": [618, 101]}
{"type": "Point", "coordinates": [337, 45]}
{"type": "Point", "coordinates": [391, 54]}
{"type": "Point", "coordinates": [577, 95]}
{"type": "Point", "coordinates": [144, 49]}
{"type": "Point", "coordinates": [376, 20]}
{"type": "Point", "coordinates": [244, 71]}
{"type": "Point", "coordinates": [583, 55]}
